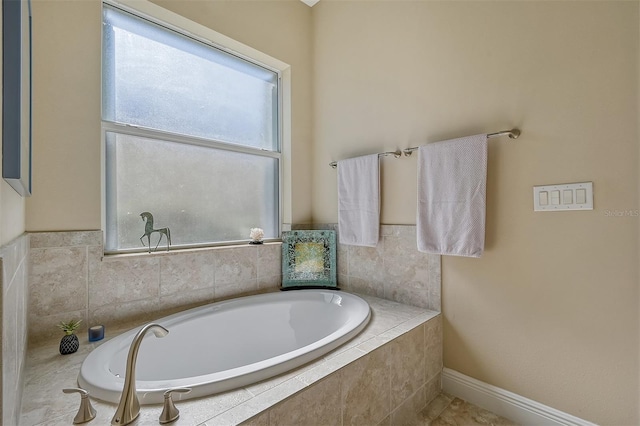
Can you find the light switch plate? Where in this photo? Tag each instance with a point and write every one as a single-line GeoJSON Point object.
{"type": "Point", "coordinates": [575, 196]}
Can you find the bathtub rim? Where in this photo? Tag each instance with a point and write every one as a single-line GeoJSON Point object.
{"type": "Point", "coordinates": [151, 392]}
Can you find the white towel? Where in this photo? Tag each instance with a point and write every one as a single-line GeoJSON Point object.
{"type": "Point", "coordinates": [359, 201]}
{"type": "Point", "coordinates": [452, 182]}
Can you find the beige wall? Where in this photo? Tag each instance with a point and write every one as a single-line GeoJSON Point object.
{"type": "Point", "coordinates": [550, 311]}
{"type": "Point", "coordinates": [66, 105]}
{"type": "Point", "coordinates": [66, 116]}
{"type": "Point", "coordinates": [12, 208]}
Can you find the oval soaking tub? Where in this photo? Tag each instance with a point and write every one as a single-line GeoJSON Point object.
{"type": "Point", "coordinates": [226, 345]}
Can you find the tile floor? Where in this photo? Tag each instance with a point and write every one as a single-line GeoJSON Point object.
{"type": "Point", "coordinates": [447, 410]}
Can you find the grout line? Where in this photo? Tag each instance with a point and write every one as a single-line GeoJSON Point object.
{"type": "Point", "coordinates": [341, 392]}
{"type": "Point", "coordinates": [159, 278]}
{"type": "Point", "coordinates": [387, 356]}
{"type": "Point", "coordinates": [87, 287]}
{"type": "Point", "coordinates": [213, 259]}
{"type": "Point", "coordinates": [443, 408]}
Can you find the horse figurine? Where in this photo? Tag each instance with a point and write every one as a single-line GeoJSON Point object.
{"type": "Point", "coordinates": [148, 230]}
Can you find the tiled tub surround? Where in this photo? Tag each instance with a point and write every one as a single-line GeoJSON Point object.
{"type": "Point", "coordinates": [386, 375]}
{"type": "Point", "coordinates": [393, 270]}
{"type": "Point", "coordinates": [14, 276]}
{"type": "Point", "coordinates": [70, 278]}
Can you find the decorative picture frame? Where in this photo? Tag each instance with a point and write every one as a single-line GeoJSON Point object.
{"type": "Point", "coordinates": [16, 95]}
{"type": "Point", "coordinates": [309, 259]}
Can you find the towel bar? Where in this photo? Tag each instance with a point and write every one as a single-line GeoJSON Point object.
{"type": "Point", "coordinates": [397, 154]}
{"type": "Point", "coordinates": [513, 134]}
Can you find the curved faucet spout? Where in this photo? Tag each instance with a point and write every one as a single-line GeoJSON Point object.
{"type": "Point", "coordinates": [129, 406]}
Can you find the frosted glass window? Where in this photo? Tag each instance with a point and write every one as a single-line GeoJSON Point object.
{"type": "Point", "coordinates": [156, 78]}
{"type": "Point", "coordinates": [201, 194]}
{"type": "Point", "coordinates": [191, 135]}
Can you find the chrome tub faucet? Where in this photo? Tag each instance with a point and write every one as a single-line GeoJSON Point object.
{"type": "Point", "coordinates": [129, 406]}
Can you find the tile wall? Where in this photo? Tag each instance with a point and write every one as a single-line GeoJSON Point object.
{"type": "Point", "coordinates": [388, 386]}
{"type": "Point", "coordinates": [393, 270]}
{"type": "Point", "coordinates": [13, 262]}
{"type": "Point", "coordinates": [70, 277]}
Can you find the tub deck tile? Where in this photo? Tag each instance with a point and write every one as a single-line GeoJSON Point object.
{"type": "Point", "coordinates": [257, 404]}
{"type": "Point", "coordinates": [330, 366]}
{"type": "Point", "coordinates": [272, 382]}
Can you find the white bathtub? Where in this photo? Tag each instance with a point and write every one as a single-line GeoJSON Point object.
{"type": "Point", "coordinates": [228, 344]}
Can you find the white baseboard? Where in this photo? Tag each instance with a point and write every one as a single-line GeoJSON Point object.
{"type": "Point", "coordinates": [504, 403]}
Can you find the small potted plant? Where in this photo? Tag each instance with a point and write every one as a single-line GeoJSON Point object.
{"type": "Point", "coordinates": [69, 343]}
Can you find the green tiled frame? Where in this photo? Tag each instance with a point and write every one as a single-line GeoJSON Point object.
{"type": "Point", "coordinates": [309, 259]}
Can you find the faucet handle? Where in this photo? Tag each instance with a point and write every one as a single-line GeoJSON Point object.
{"type": "Point", "coordinates": [169, 411]}
{"type": "Point", "coordinates": [86, 412]}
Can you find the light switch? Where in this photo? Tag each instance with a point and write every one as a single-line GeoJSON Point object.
{"type": "Point", "coordinates": [563, 197]}
{"type": "Point", "coordinates": [543, 198]}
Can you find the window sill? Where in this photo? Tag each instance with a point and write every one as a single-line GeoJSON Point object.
{"type": "Point", "coordinates": [186, 250]}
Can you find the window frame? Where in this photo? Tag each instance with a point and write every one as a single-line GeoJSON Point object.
{"type": "Point", "coordinates": [199, 33]}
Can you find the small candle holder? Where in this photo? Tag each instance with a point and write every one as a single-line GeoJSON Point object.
{"type": "Point", "coordinates": [96, 333]}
